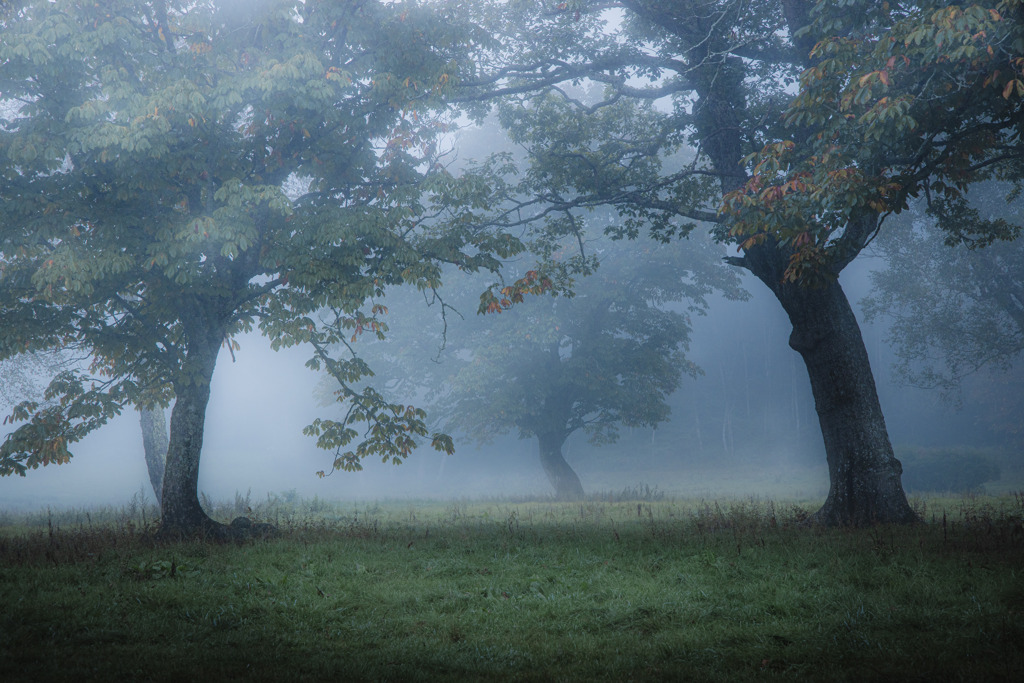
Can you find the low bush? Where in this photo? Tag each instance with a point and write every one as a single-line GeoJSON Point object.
{"type": "Point", "coordinates": [957, 469]}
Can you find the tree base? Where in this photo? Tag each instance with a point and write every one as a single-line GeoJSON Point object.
{"type": "Point", "coordinates": [831, 516]}
{"type": "Point", "coordinates": [563, 478]}
{"type": "Point", "coordinates": [866, 500]}
{"type": "Point", "coordinates": [241, 528]}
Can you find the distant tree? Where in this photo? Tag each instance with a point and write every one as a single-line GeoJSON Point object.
{"type": "Point", "coordinates": [155, 441]}
{"type": "Point", "coordinates": [24, 378]}
{"type": "Point", "coordinates": [812, 122]}
{"type": "Point", "coordinates": [953, 310]}
{"type": "Point", "coordinates": [174, 173]}
{"type": "Point", "coordinates": [545, 368]}
{"type": "Point", "coordinates": [956, 314]}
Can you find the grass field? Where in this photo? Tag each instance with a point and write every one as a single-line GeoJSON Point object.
{"type": "Point", "coordinates": [608, 589]}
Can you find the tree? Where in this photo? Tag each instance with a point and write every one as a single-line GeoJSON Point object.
{"type": "Point", "coordinates": [155, 441]}
{"type": "Point", "coordinates": [799, 179]}
{"type": "Point", "coordinates": [609, 356]}
{"type": "Point", "coordinates": [23, 378]}
{"type": "Point", "coordinates": [902, 101]}
{"type": "Point", "coordinates": [956, 312]}
{"type": "Point", "coordinates": [174, 173]}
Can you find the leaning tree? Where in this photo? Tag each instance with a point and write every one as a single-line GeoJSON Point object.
{"type": "Point", "coordinates": [605, 358]}
{"type": "Point", "coordinates": [174, 173]}
{"type": "Point", "coordinates": [811, 123]}
{"type": "Point", "coordinates": [545, 368]}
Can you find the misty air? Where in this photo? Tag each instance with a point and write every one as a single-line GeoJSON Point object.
{"type": "Point", "coordinates": [488, 340]}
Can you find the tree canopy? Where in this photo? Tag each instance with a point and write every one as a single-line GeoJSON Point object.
{"type": "Point", "coordinates": [899, 101]}
{"type": "Point", "coordinates": [809, 122]}
{"type": "Point", "coordinates": [174, 173]}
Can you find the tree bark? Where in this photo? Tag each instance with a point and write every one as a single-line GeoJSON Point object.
{"type": "Point", "coordinates": [562, 477]}
{"type": "Point", "coordinates": [154, 446]}
{"type": "Point", "coordinates": [864, 474]}
{"type": "Point", "coordinates": [180, 510]}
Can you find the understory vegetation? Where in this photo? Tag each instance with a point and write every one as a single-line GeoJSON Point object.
{"type": "Point", "coordinates": [635, 585]}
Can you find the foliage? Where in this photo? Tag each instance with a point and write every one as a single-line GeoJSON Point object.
{"type": "Point", "coordinates": [606, 357]}
{"type": "Point", "coordinates": [174, 173]}
{"type": "Point", "coordinates": [686, 589]}
{"type": "Point", "coordinates": [24, 377]}
{"type": "Point", "coordinates": [691, 114]}
{"type": "Point", "coordinates": [592, 141]}
{"type": "Point", "coordinates": [895, 101]}
{"type": "Point", "coordinates": [900, 101]}
{"type": "Point", "coordinates": [953, 311]}
{"type": "Point", "coordinates": [946, 469]}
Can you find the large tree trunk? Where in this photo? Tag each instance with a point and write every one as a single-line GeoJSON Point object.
{"type": "Point", "coordinates": [154, 446]}
{"type": "Point", "coordinates": [864, 474]}
{"type": "Point", "coordinates": [562, 477]}
{"type": "Point", "coordinates": [180, 510]}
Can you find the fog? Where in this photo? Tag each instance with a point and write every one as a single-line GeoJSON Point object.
{"type": "Point", "coordinates": [254, 446]}
{"type": "Point", "coordinates": [745, 426]}
{"type": "Point", "coordinates": [261, 401]}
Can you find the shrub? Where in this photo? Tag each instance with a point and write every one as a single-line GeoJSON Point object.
{"type": "Point", "coordinates": [953, 468]}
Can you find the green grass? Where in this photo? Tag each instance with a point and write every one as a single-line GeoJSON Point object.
{"type": "Point", "coordinates": [613, 589]}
